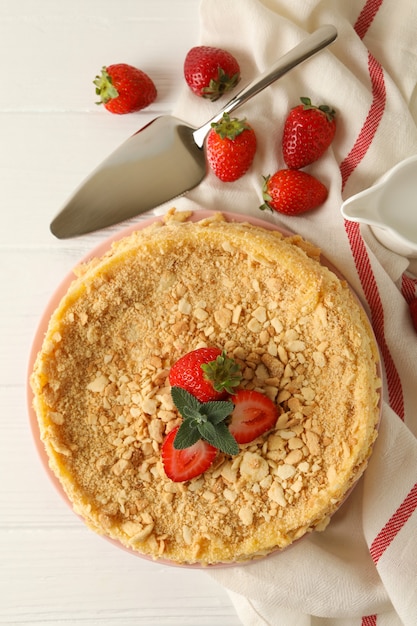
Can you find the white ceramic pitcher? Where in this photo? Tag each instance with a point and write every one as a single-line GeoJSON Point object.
{"type": "Point", "coordinates": [390, 208]}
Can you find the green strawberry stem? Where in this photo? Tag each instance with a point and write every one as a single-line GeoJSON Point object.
{"type": "Point", "coordinates": [229, 127]}
{"type": "Point", "coordinates": [223, 373]}
{"type": "Point", "coordinates": [265, 195]}
{"type": "Point", "coordinates": [330, 113]}
{"type": "Point", "coordinates": [104, 87]}
{"type": "Point", "coordinates": [224, 83]}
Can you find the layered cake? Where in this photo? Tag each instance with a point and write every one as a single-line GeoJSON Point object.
{"type": "Point", "coordinates": [105, 406]}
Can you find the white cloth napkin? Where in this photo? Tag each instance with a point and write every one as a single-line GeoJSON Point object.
{"type": "Point", "coordinates": [363, 568]}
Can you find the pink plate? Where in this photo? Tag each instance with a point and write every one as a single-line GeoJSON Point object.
{"type": "Point", "coordinates": [53, 303]}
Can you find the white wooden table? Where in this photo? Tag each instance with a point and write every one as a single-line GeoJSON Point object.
{"type": "Point", "coordinates": [52, 569]}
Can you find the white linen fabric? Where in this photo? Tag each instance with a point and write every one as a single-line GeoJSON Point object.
{"type": "Point", "coordinates": [363, 568]}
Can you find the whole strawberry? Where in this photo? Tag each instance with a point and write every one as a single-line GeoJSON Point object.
{"type": "Point", "coordinates": [292, 192]}
{"type": "Point", "coordinates": [308, 132]}
{"type": "Point", "coordinates": [231, 148]}
{"type": "Point", "coordinates": [206, 373]}
{"type": "Point", "coordinates": [210, 72]}
{"type": "Point", "coordinates": [123, 88]}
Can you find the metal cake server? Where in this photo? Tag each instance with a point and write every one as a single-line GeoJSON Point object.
{"type": "Point", "coordinates": [163, 160]}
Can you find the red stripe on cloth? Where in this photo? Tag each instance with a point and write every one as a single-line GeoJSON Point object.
{"type": "Point", "coordinates": [366, 17]}
{"type": "Point", "coordinates": [394, 525]}
{"type": "Point", "coordinates": [360, 254]}
{"type": "Point", "coordinates": [370, 288]}
{"type": "Point", "coordinates": [364, 268]}
{"type": "Point", "coordinates": [371, 123]}
{"type": "Point", "coordinates": [408, 287]}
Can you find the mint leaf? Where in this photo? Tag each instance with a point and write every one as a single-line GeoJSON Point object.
{"type": "Point", "coordinates": [186, 403]}
{"type": "Point", "coordinates": [186, 436]}
{"type": "Point", "coordinates": [220, 437]}
{"type": "Point", "coordinates": [203, 420]}
{"type": "Point", "coordinates": [217, 411]}
{"type": "Point", "coordinates": [208, 432]}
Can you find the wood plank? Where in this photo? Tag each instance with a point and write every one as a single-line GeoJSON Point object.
{"type": "Point", "coordinates": [81, 578]}
{"type": "Point", "coordinates": [57, 49]}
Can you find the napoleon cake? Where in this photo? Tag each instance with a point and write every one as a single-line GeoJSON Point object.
{"type": "Point", "coordinates": [105, 406]}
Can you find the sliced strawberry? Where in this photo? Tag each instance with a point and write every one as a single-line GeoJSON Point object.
{"type": "Point", "coordinates": [182, 465]}
{"type": "Point", "coordinates": [253, 415]}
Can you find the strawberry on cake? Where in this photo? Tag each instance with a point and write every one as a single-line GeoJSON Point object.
{"type": "Point", "coordinates": [207, 391]}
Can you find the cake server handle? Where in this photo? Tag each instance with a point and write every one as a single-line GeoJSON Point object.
{"type": "Point", "coordinates": [318, 40]}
